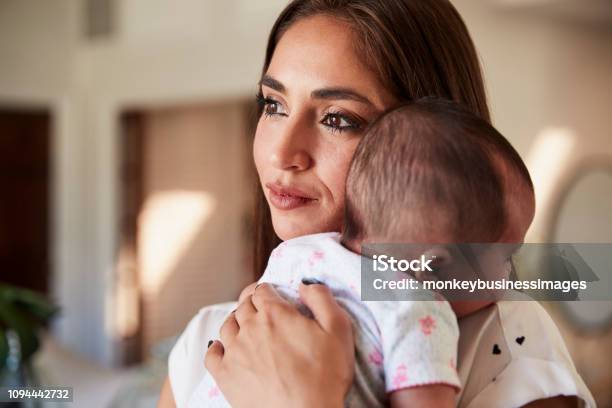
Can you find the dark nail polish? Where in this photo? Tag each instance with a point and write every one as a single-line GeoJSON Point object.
{"type": "Point", "coordinates": [311, 281]}
{"type": "Point", "coordinates": [210, 342]}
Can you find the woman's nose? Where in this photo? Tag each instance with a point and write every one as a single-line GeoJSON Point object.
{"type": "Point", "coordinates": [291, 151]}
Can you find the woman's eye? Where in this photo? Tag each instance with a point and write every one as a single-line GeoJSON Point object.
{"type": "Point", "coordinates": [339, 122]}
{"type": "Point", "coordinates": [271, 107]}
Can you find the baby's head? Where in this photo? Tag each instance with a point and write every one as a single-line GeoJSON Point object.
{"type": "Point", "coordinates": [432, 172]}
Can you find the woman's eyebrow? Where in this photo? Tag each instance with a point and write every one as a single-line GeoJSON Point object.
{"type": "Point", "coordinates": [340, 93]}
{"type": "Point", "coordinates": [270, 82]}
{"type": "Point", "coordinates": [333, 93]}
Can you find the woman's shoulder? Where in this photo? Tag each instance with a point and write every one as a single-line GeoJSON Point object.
{"type": "Point", "coordinates": [186, 361]}
{"type": "Point", "coordinates": [513, 353]}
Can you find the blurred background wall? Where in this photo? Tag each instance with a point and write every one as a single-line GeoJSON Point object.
{"type": "Point", "coordinates": [148, 133]}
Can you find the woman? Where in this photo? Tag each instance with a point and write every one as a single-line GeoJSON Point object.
{"type": "Point", "coordinates": [331, 67]}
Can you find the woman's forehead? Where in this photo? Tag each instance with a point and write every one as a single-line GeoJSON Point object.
{"type": "Point", "coordinates": [319, 52]}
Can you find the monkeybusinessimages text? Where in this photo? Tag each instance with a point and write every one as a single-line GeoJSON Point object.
{"type": "Point", "coordinates": [385, 263]}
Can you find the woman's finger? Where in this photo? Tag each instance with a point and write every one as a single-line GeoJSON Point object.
{"type": "Point", "coordinates": [246, 292]}
{"type": "Point", "coordinates": [229, 329]}
{"type": "Point", "coordinates": [327, 312]}
{"type": "Point", "coordinates": [245, 310]}
{"type": "Point", "coordinates": [265, 293]}
{"type": "Point", "coordinates": [213, 358]}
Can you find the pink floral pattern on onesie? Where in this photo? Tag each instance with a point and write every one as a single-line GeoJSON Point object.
{"type": "Point", "coordinates": [375, 357]}
{"type": "Point", "coordinates": [401, 376]}
{"type": "Point", "coordinates": [277, 253]}
{"type": "Point", "coordinates": [315, 257]}
{"type": "Point", "coordinates": [428, 324]}
{"type": "Point", "coordinates": [214, 392]}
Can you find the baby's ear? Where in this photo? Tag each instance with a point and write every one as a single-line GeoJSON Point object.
{"type": "Point", "coordinates": [422, 276]}
{"type": "Point", "coordinates": [440, 256]}
{"type": "Point", "coordinates": [441, 259]}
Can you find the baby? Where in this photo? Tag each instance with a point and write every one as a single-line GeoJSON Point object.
{"type": "Point", "coordinates": [430, 173]}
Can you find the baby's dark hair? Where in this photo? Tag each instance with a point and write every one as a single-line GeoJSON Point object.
{"type": "Point", "coordinates": [431, 171]}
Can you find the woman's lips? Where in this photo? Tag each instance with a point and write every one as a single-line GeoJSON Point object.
{"type": "Point", "coordinates": [287, 198]}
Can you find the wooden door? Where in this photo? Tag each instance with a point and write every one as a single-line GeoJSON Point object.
{"type": "Point", "coordinates": [24, 198]}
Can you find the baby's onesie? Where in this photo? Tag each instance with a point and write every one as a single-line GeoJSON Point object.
{"type": "Point", "coordinates": [419, 345]}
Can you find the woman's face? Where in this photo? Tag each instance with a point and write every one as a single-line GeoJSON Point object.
{"type": "Point", "coordinates": [318, 98]}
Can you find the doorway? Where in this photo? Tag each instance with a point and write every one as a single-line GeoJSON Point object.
{"type": "Point", "coordinates": [186, 198]}
{"type": "Point", "coordinates": [24, 198]}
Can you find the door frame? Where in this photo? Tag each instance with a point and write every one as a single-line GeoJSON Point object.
{"type": "Point", "coordinates": [73, 251]}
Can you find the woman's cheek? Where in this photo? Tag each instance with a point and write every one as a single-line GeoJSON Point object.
{"type": "Point", "coordinates": [259, 150]}
{"type": "Point", "coordinates": [337, 166]}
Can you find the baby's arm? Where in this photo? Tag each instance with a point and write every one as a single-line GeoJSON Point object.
{"type": "Point", "coordinates": [434, 395]}
{"type": "Point", "coordinates": [419, 352]}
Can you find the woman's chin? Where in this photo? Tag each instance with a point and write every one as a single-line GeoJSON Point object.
{"type": "Point", "coordinates": [288, 230]}
{"type": "Point", "coordinates": [288, 227]}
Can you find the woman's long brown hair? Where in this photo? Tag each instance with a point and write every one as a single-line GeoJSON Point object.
{"type": "Point", "coordinates": [417, 48]}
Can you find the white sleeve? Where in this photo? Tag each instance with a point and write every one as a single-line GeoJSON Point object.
{"type": "Point", "coordinates": [526, 380]}
{"type": "Point", "coordinates": [186, 362]}
{"type": "Point", "coordinates": [537, 364]}
{"type": "Point", "coordinates": [419, 341]}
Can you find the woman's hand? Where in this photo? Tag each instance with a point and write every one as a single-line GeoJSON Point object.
{"type": "Point", "coordinates": [271, 355]}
